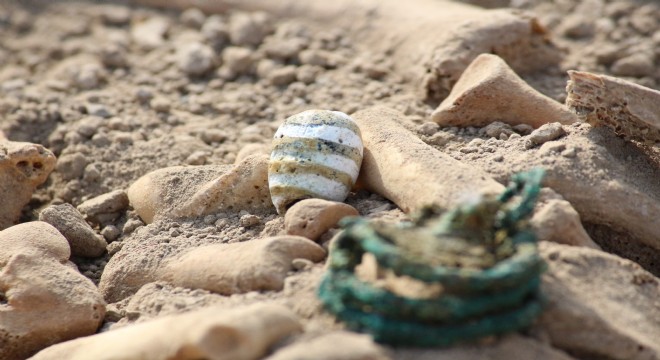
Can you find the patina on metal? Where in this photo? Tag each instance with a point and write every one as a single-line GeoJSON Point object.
{"type": "Point", "coordinates": [482, 254]}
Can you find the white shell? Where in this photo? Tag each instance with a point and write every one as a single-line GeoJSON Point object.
{"type": "Point", "coordinates": [316, 154]}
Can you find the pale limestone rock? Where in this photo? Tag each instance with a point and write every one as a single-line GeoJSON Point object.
{"type": "Point", "coordinates": [252, 149]}
{"type": "Point", "coordinates": [353, 347]}
{"type": "Point", "coordinates": [545, 133]}
{"type": "Point", "coordinates": [397, 164]}
{"type": "Point", "coordinates": [23, 167]}
{"type": "Point", "coordinates": [556, 220]}
{"type": "Point", "coordinates": [35, 237]}
{"type": "Point", "coordinates": [600, 305]}
{"type": "Point", "coordinates": [179, 192]}
{"type": "Point", "coordinates": [311, 218]}
{"type": "Point", "coordinates": [489, 90]}
{"type": "Point", "coordinates": [45, 299]}
{"type": "Point", "coordinates": [81, 237]}
{"type": "Point", "coordinates": [104, 207]}
{"type": "Point", "coordinates": [211, 333]}
{"type": "Point", "coordinates": [151, 32]}
{"type": "Point", "coordinates": [241, 267]}
{"type": "Point", "coordinates": [510, 347]}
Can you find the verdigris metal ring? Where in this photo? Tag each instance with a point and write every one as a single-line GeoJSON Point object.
{"type": "Point", "coordinates": [346, 288]}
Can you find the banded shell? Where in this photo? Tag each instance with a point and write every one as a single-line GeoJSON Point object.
{"type": "Point", "coordinates": [316, 154]}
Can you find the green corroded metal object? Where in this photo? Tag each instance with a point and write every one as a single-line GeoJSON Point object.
{"type": "Point", "coordinates": [482, 255]}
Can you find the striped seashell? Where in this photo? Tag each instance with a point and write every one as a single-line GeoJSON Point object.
{"type": "Point", "coordinates": [316, 154]}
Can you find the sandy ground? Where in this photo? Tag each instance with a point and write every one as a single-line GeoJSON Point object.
{"type": "Point", "coordinates": [114, 104]}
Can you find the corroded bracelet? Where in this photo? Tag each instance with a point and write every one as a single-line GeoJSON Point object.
{"type": "Point", "coordinates": [344, 287]}
{"type": "Point", "coordinates": [482, 255]}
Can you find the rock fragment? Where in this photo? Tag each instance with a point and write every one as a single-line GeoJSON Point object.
{"type": "Point", "coordinates": [104, 207]}
{"type": "Point", "coordinates": [395, 159]}
{"type": "Point", "coordinates": [249, 29]}
{"type": "Point", "coordinates": [556, 220]}
{"type": "Point", "coordinates": [353, 347]}
{"type": "Point", "coordinates": [82, 239]}
{"type": "Point", "coordinates": [628, 109]}
{"type": "Point", "coordinates": [37, 283]}
{"type": "Point", "coordinates": [195, 58]}
{"type": "Point", "coordinates": [489, 90]}
{"type": "Point", "coordinates": [23, 167]}
{"type": "Point", "coordinates": [151, 32]}
{"type": "Point", "coordinates": [545, 133]}
{"type": "Point", "coordinates": [241, 267]}
{"type": "Point", "coordinates": [311, 218]}
{"type": "Point", "coordinates": [211, 333]}
{"type": "Point", "coordinates": [600, 305]}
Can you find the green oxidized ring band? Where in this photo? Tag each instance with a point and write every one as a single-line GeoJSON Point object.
{"type": "Point", "coordinates": [360, 238]}
{"type": "Point", "coordinates": [446, 308]}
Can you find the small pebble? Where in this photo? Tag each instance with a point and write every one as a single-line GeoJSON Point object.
{"type": "Point", "coordinates": [545, 133]}
{"type": "Point", "coordinates": [195, 58]}
{"type": "Point", "coordinates": [111, 233]}
{"type": "Point", "coordinates": [193, 18]}
{"type": "Point", "coordinates": [249, 220]}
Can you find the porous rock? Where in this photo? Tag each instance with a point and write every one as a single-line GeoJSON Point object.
{"type": "Point", "coordinates": [489, 90]}
{"type": "Point", "coordinates": [395, 160]}
{"type": "Point", "coordinates": [82, 239]}
{"type": "Point", "coordinates": [36, 284]}
{"type": "Point", "coordinates": [104, 207]}
{"type": "Point", "coordinates": [599, 305]}
{"type": "Point", "coordinates": [179, 192]}
{"type": "Point", "coordinates": [23, 167]}
{"type": "Point", "coordinates": [241, 267]}
{"type": "Point", "coordinates": [630, 110]}
{"type": "Point", "coordinates": [211, 333]}
{"type": "Point", "coordinates": [311, 218]}
{"type": "Point", "coordinates": [353, 347]}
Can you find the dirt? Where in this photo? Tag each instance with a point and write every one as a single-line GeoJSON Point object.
{"type": "Point", "coordinates": [113, 108]}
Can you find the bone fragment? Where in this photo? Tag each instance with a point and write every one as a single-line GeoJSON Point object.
{"type": "Point", "coordinates": [489, 90]}
{"type": "Point", "coordinates": [630, 110]}
{"type": "Point", "coordinates": [402, 168]}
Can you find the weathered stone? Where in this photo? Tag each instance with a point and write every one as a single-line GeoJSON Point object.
{"type": "Point", "coordinates": [600, 305]}
{"type": "Point", "coordinates": [237, 268]}
{"type": "Point", "coordinates": [353, 347]}
{"type": "Point", "coordinates": [211, 333]}
{"type": "Point", "coordinates": [180, 192]}
{"type": "Point", "coordinates": [82, 239]}
{"type": "Point", "coordinates": [104, 206]}
{"type": "Point", "coordinates": [23, 167]}
{"type": "Point", "coordinates": [44, 299]}
{"type": "Point", "coordinates": [311, 218]}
